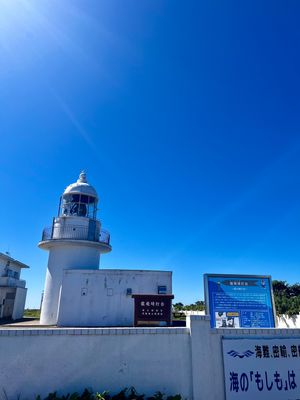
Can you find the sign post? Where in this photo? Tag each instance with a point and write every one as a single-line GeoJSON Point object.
{"type": "Point", "coordinates": [239, 301]}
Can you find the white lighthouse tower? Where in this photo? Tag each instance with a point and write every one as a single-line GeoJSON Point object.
{"type": "Point", "coordinates": [74, 241]}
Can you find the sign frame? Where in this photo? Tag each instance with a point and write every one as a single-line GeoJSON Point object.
{"type": "Point", "coordinates": [238, 276]}
{"type": "Point", "coordinates": [160, 314]}
{"type": "Point", "coordinates": [246, 355]}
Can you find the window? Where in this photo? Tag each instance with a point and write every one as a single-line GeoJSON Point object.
{"type": "Point", "coordinates": [79, 204]}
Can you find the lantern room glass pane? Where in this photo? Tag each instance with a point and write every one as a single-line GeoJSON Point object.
{"type": "Point", "coordinates": [75, 198]}
{"type": "Point", "coordinates": [84, 199]}
{"type": "Point", "coordinates": [66, 204]}
{"type": "Point", "coordinates": [79, 205]}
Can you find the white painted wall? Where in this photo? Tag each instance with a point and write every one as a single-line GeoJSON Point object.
{"type": "Point", "coordinates": [43, 361]}
{"type": "Point", "coordinates": [12, 267]}
{"type": "Point", "coordinates": [19, 303]}
{"type": "Point", "coordinates": [98, 298]}
{"type": "Point", "coordinates": [173, 360]}
{"type": "Point", "coordinates": [62, 225]}
{"type": "Point", "coordinates": [206, 354]}
{"type": "Point", "coordinates": [61, 257]}
{"type": "Point", "coordinates": [284, 321]}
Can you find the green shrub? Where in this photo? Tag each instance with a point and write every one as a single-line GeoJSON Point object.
{"type": "Point", "coordinates": [125, 394]}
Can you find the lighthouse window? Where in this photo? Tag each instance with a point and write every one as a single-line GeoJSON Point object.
{"type": "Point", "coordinates": [78, 209]}
{"type": "Point", "coordinates": [84, 199]}
{"type": "Point", "coordinates": [75, 198]}
{"type": "Point", "coordinates": [92, 207]}
{"type": "Point", "coordinates": [80, 205]}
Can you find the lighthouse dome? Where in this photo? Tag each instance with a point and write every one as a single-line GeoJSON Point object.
{"type": "Point", "coordinates": [81, 186]}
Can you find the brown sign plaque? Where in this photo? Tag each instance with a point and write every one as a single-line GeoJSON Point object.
{"type": "Point", "coordinates": [152, 308]}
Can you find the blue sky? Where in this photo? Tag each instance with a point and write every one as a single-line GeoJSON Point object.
{"type": "Point", "coordinates": [185, 116]}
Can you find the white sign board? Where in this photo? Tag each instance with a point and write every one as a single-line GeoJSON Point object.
{"type": "Point", "coordinates": [262, 368]}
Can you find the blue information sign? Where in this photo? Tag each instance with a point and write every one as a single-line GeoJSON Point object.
{"type": "Point", "coordinates": [239, 301]}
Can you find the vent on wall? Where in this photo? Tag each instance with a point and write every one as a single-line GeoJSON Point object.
{"type": "Point", "coordinates": [162, 289]}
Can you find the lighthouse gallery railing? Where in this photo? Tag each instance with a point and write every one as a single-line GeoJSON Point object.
{"type": "Point", "coordinates": [74, 232]}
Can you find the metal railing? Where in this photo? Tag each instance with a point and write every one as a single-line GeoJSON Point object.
{"type": "Point", "coordinates": [12, 282]}
{"type": "Point", "coordinates": [75, 232]}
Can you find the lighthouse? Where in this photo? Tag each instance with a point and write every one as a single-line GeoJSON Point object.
{"type": "Point", "coordinates": [75, 241]}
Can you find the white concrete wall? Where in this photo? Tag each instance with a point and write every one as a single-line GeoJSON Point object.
{"type": "Point", "coordinates": [98, 298]}
{"type": "Point", "coordinates": [65, 360]}
{"type": "Point", "coordinates": [284, 321]}
{"type": "Point", "coordinates": [19, 304]}
{"type": "Point", "coordinates": [206, 354]}
{"type": "Point", "coordinates": [68, 227]}
{"type": "Point", "coordinates": [173, 360]}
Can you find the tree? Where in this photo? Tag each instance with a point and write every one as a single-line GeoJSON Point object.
{"type": "Point", "coordinates": [287, 298]}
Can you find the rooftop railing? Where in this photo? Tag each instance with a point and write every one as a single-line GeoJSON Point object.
{"type": "Point", "coordinates": [12, 282]}
{"type": "Point", "coordinates": [75, 232]}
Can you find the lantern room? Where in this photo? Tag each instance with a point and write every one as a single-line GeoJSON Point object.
{"type": "Point", "coordinates": [79, 199]}
{"type": "Point", "coordinates": [77, 216]}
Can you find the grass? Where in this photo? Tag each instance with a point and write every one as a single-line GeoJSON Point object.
{"type": "Point", "coordinates": [32, 313]}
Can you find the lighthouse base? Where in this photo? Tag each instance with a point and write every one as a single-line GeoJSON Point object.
{"type": "Point", "coordinates": [103, 297]}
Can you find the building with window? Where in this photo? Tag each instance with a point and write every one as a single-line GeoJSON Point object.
{"type": "Point", "coordinates": [12, 288]}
